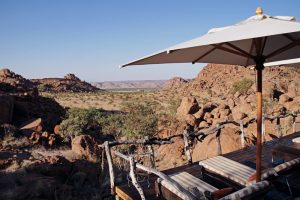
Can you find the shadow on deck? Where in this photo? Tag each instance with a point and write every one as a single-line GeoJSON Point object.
{"type": "Point", "coordinates": [245, 156]}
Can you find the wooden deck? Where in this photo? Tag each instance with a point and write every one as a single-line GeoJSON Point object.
{"type": "Point", "coordinates": [245, 156]}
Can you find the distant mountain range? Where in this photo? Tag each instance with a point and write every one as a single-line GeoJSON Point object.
{"type": "Point", "coordinates": [130, 85]}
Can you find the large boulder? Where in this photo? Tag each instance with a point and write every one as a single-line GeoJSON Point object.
{"type": "Point", "coordinates": [32, 125]}
{"type": "Point", "coordinates": [71, 77]}
{"type": "Point", "coordinates": [5, 73]}
{"type": "Point", "coordinates": [199, 114]}
{"type": "Point", "coordinates": [238, 115]}
{"type": "Point", "coordinates": [284, 98]}
{"type": "Point", "coordinates": [6, 109]}
{"type": "Point", "coordinates": [208, 148]}
{"type": "Point", "coordinates": [191, 120]}
{"type": "Point", "coordinates": [189, 105]}
{"type": "Point", "coordinates": [86, 146]}
{"type": "Point", "coordinates": [293, 89]}
{"type": "Point", "coordinates": [208, 107]}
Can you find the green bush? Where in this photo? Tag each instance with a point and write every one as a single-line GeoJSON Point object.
{"type": "Point", "coordinates": [137, 120]}
{"type": "Point", "coordinates": [80, 121]}
{"type": "Point", "coordinates": [111, 124]}
{"type": "Point", "coordinates": [242, 86]}
{"type": "Point", "coordinates": [140, 119]}
{"type": "Point", "coordinates": [43, 87]}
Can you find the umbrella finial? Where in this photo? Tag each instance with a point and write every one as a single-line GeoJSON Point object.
{"type": "Point", "coordinates": [259, 11]}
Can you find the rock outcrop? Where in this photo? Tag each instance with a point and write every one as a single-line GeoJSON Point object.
{"type": "Point", "coordinates": [70, 83]}
{"type": "Point", "coordinates": [11, 82]}
{"type": "Point", "coordinates": [189, 105]}
{"type": "Point", "coordinates": [20, 102]}
{"type": "Point", "coordinates": [174, 83]}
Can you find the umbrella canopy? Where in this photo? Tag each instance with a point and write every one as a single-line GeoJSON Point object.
{"type": "Point", "coordinates": [289, 63]}
{"type": "Point", "coordinates": [254, 41]}
{"type": "Point", "coordinates": [272, 38]}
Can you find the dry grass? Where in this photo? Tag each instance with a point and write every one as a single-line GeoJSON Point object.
{"type": "Point", "coordinates": [113, 100]}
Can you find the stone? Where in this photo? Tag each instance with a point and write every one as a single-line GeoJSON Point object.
{"type": "Point", "coordinates": [191, 120]}
{"type": "Point", "coordinates": [238, 115]}
{"type": "Point", "coordinates": [208, 107]}
{"type": "Point", "coordinates": [5, 73]}
{"type": "Point", "coordinates": [237, 94]}
{"type": "Point", "coordinates": [51, 140]}
{"type": "Point", "coordinates": [293, 89]}
{"type": "Point", "coordinates": [224, 112]}
{"type": "Point", "coordinates": [71, 77]}
{"type": "Point", "coordinates": [45, 134]}
{"type": "Point", "coordinates": [189, 105]}
{"type": "Point", "coordinates": [208, 116]}
{"type": "Point", "coordinates": [199, 114]}
{"type": "Point", "coordinates": [231, 103]}
{"type": "Point", "coordinates": [251, 98]}
{"type": "Point", "coordinates": [284, 98]}
{"type": "Point", "coordinates": [223, 106]}
{"type": "Point", "coordinates": [32, 125]}
{"type": "Point", "coordinates": [56, 130]}
{"type": "Point", "coordinates": [86, 146]}
{"type": "Point", "coordinates": [203, 124]}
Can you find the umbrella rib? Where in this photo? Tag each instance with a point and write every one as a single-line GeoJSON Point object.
{"type": "Point", "coordinates": [257, 44]}
{"type": "Point", "coordinates": [239, 50]}
{"type": "Point", "coordinates": [284, 48]}
{"type": "Point", "coordinates": [263, 46]}
{"type": "Point", "coordinates": [202, 56]}
{"type": "Point", "coordinates": [218, 46]}
{"type": "Point", "coordinates": [289, 37]}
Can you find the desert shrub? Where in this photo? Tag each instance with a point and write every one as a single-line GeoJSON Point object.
{"type": "Point", "coordinates": [242, 86]}
{"type": "Point", "coordinates": [140, 119]}
{"type": "Point", "coordinates": [172, 106]}
{"type": "Point", "coordinates": [111, 124]}
{"type": "Point", "coordinates": [80, 121]}
{"type": "Point", "coordinates": [43, 87]}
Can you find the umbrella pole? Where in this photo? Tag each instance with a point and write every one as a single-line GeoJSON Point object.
{"type": "Point", "coordinates": [259, 69]}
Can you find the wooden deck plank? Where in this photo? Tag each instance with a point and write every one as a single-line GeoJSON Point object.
{"type": "Point", "coordinates": [242, 155]}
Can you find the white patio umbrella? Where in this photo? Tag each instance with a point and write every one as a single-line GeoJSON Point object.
{"type": "Point", "coordinates": [289, 63]}
{"type": "Point", "coordinates": [258, 39]}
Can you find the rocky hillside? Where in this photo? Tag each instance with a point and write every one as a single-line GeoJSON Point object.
{"type": "Point", "coordinates": [11, 82]}
{"type": "Point", "coordinates": [223, 80]}
{"type": "Point", "coordinates": [223, 92]}
{"type": "Point", "coordinates": [70, 83]}
{"type": "Point", "coordinates": [123, 85]}
{"type": "Point", "coordinates": [20, 102]}
{"type": "Point", "coordinates": [174, 83]}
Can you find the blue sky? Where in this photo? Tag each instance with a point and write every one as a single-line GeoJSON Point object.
{"type": "Point", "coordinates": [49, 38]}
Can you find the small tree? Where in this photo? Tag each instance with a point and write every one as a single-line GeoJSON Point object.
{"type": "Point", "coordinates": [140, 120]}
{"type": "Point", "coordinates": [242, 86]}
{"type": "Point", "coordinates": [80, 121]}
{"type": "Point", "coordinates": [43, 87]}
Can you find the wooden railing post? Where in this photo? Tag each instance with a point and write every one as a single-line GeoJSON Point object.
{"type": "Point", "coordinates": [152, 157]}
{"type": "Point", "coordinates": [187, 148]}
{"type": "Point", "coordinates": [110, 167]}
{"type": "Point", "coordinates": [218, 140]}
{"type": "Point", "coordinates": [279, 133]}
{"type": "Point", "coordinates": [133, 178]}
{"type": "Point", "coordinates": [176, 186]}
{"type": "Point", "coordinates": [294, 123]}
{"type": "Point", "coordinates": [242, 134]}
